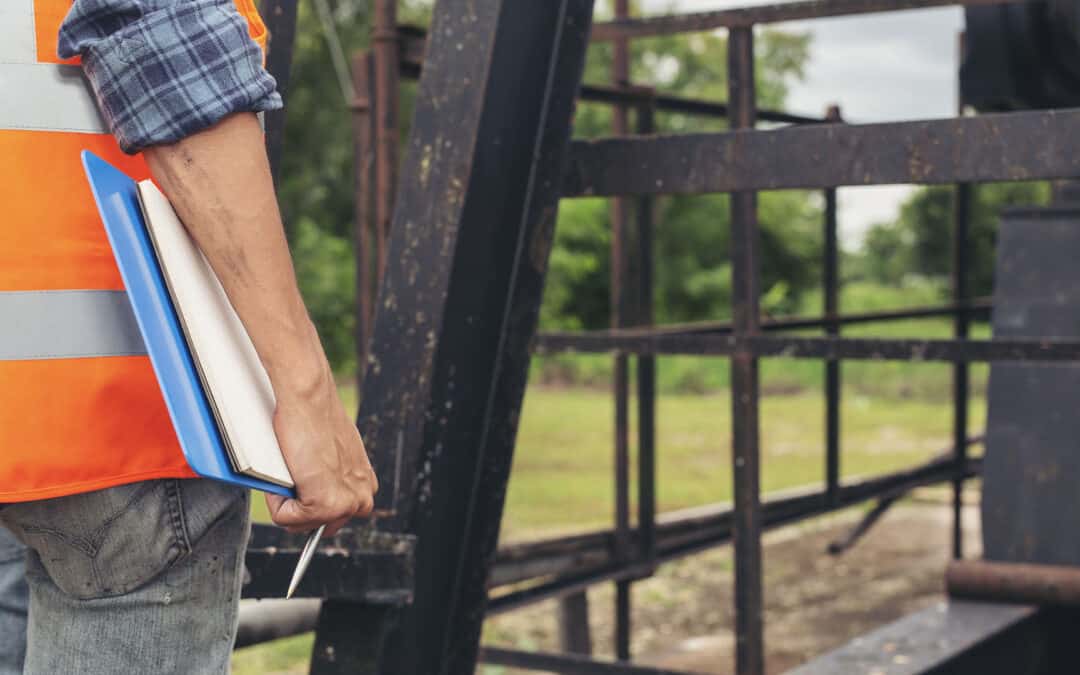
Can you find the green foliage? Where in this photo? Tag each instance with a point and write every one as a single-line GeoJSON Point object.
{"type": "Point", "coordinates": [576, 292]}
{"type": "Point", "coordinates": [692, 271]}
{"type": "Point", "coordinates": [317, 177]}
{"type": "Point", "coordinates": [324, 265]}
{"type": "Point", "coordinates": [919, 242]}
{"type": "Point", "coordinates": [316, 170]}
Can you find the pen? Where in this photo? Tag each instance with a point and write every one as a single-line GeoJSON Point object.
{"type": "Point", "coordinates": [309, 552]}
{"type": "Point", "coordinates": [305, 559]}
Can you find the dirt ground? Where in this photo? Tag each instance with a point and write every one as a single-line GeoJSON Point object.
{"type": "Point", "coordinates": [815, 602]}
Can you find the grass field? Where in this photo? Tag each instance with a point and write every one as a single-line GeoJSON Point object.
{"type": "Point", "coordinates": [562, 474]}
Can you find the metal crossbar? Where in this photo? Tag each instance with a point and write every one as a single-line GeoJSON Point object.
{"type": "Point", "coordinates": [1001, 147]}
{"type": "Point", "coordinates": [745, 17]}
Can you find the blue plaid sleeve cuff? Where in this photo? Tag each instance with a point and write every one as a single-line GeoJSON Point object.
{"type": "Point", "coordinates": [169, 72]}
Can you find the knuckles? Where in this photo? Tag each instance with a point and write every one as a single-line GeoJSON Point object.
{"type": "Point", "coordinates": [366, 506]}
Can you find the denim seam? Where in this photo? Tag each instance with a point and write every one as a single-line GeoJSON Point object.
{"type": "Point", "coordinates": [99, 533]}
{"type": "Point", "coordinates": [75, 542]}
{"type": "Point", "coordinates": [179, 521]}
{"type": "Point", "coordinates": [92, 545]}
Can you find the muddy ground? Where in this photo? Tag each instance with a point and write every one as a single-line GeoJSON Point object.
{"type": "Point", "coordinates": [814, 601]}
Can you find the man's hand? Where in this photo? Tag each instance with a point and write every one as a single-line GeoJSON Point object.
{"type": "Point", "coordinates": [218, 180]}
{"type": "Point", "coordinates": [327, 459]}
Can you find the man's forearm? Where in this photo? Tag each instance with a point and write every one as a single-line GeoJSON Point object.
{"type": "Point", "coordinates": [219, 183]}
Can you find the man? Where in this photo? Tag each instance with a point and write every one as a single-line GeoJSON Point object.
{"type": "Point", "coordinates": [133, 565]}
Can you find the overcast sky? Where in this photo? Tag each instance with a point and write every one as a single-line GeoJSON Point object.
{"type": "Point", "coordinates": [878, 67]}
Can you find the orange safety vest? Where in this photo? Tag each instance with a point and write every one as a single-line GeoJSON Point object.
{"type": "Point", "coordinates": [80, 408]}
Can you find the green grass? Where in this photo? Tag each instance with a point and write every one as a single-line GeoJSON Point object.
{"type": "Point", "coordinates": [690, 374]}
{"type": "Point", "coordinates": [291, 656]}
{"type": "Point", "coordinates": [562, 473]}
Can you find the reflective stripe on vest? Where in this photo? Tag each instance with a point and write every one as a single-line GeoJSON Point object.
{"type": "Point", "coordinates": [67, 324]}
{"type": "Point", "coordinates": [18, 43]}
{"type": "Point", "coordinates": [51, 97]}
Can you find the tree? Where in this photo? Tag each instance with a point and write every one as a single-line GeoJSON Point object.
{"type": "Point", "coordinates": [919, 242]}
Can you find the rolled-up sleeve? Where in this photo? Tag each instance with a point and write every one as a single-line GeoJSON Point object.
{"type": "Point", "coordinates": [164, 69]}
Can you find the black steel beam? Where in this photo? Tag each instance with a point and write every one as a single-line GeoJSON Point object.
{"type": "Point", "coordinates": [831, 293]}
{"type": "Point", "coordinates": [469, 246]}
{"type": "Point", "coordinates": [646, 365]}
{"type": "Point", "coordinates": [280, 18]}
{"type": "Point", "coordinates": [1004, 147]}
{"type": "Point", "coordinates": [357, 564]}
{"type": "Point", "coordinates": [412, 44]}
{"type": "Point", "coordinates": [678, 528]}
{"type": "Point", "coordinates": [961, 242]}
{"type": "Point", "coordinates": [680, 104]}
{"type": "Point", "coordinates": [348, 637]}
{"type": "Point", "coordinates": [748, 16]}
{"type": "Point", "coordinates": [620, 300]}
{"type": "Point", "coordinates": [566, 664]}
{"type": "Point", "coordinates": [975, 310]}
{"type": "Point", "coordinates": [581, 561]}
{"type": "Point", "coordinates": [959, 638]}
{"type": "Point", "coordinates": [745, 378]}
{"type": "Point", "coordinates": [865, 349]}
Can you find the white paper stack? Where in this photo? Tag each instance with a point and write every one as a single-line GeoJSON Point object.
{"type": "Point", "coordinates": [232, 375]}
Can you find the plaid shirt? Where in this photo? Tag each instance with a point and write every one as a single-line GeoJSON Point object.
{"type": "Point", "coordinates": [165, 69]}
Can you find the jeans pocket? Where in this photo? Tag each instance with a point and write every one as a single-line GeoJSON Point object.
{"type": "Point", "coordinates": [104, 543]}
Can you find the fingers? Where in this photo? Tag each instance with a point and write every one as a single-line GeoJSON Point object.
{"type": "Point", "coordinates": [298, 516]}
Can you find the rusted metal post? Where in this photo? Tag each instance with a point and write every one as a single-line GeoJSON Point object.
{"type": "Point", "coordinates": [341, 645]}
{"type": "Point", "coordinates": [646, 375]}
{"type": "Point", "coordinates": [574, 634]}
{"type": "Point", "coordinates": [749, 643]}
{"type": "Point", "coordinates": [472, 235]}
{"type": "Point", "coordinates": [961, 323]}
{"type": "Point", "coordinates": [364, 143]}
{"type": "Point", "coordinates": [280, 16]}
{"type": "Point", "coordinates": [832, 329]}
{"type": "Point", "coordinates": [384, 38]}
{"type": "Point", "coordinates": [620, 75]}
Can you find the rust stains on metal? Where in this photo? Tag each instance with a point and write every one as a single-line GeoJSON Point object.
{"type": "Point", "coordinates": [1014, 582]}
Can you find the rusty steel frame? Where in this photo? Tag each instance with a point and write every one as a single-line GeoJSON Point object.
{"type": "Point", "coordinates": [620, 294]}
{"type": "Point", "coordinates": [741, 161]}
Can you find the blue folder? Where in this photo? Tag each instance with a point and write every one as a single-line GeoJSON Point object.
{"type": "Point", "coordinates": [196, 427]}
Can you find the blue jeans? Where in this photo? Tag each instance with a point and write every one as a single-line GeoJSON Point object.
{"type": "Point", "coordinates": [140, 578]}
{"type": "Point", "coordinates": [14, 600]}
